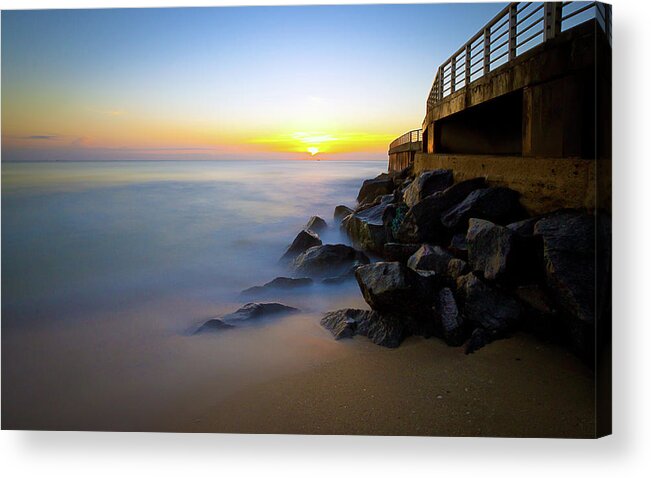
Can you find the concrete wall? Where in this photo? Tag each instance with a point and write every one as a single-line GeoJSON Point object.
{"type": "Point", "coordinates": [398, 161]}
{"type": "Point", "coordinates": [402, 156]}
{"type": "Point", "coordinates": [546, 184]}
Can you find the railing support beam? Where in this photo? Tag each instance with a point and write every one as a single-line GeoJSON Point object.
{"type": "Point", "coordinates": [553, 18]}
{"type": "Point", "coordinates": [513, 30]}
{"type": "Point", "coordinates": [487, 50]}
{"type": "Point", "coordinates": [467, 65]}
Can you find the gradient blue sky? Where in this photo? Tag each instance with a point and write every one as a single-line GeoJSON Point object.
{"type": "Point", "coordinates": [247, 82]}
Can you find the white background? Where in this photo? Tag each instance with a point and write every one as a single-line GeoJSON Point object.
{"type": "Point", "coordinates": [626, 453]}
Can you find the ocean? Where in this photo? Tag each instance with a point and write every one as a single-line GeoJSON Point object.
{"type": "Point", "coordinates": [108, 268]}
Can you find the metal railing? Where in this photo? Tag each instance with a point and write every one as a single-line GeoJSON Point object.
{"type": "Point", "coordinates": [517, 28]}
{"type": "Point", "coordinates": [413, 136]}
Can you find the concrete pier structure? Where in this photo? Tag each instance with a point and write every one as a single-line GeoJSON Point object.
{"type": "Point", "coordinates": [538, 120]}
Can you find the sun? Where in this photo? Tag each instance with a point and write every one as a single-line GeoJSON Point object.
{"type": "Point", "coordinates": [312, 150]}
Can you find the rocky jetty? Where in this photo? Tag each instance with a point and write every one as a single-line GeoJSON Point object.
{"type": "Point", "coordinates": [462, 262]}
{"type": "Point", "coordinates": [466, 263]}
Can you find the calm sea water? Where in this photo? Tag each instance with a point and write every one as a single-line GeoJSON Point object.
{"type": "Point", "coordinates": [106, 267]}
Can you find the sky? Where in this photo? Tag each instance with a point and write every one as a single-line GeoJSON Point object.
{"type": "Point", "coordinates": [336, 82]}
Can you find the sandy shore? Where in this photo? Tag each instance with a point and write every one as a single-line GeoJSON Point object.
{"type": "Point", "coordinates": [518, 387]}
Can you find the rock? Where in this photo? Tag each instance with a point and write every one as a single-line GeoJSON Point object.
{"type": "Point", "coordinates": [430, 258]}
{"type": "Point", "coordinates": [316, 224]}
{"type": "Point", "coordinates": [574, 250]}
{"type": "Point", "coordinates": [395, 252]}
{"type": "Point", "coordinates": [392, 218]}
{"type": "Point", "coordinates": [459, 245]}
{"type": "Point", "coordinates": [569, 258]}
{"type": "Point", "coordinates": [486, 306]}
{"type": "Point", "coordinates": [341, 212]}
{"type": "Point", "coordinates": [451, 323]}
{"type": "Point", "coordinates": [390, 287]}
{"type": "Point", "coordinates": [499, 205]}
{"type": "Point", "coordinates": [343, 277]}
{"type": "Point", "coordinates": [457, 268]}
{"type": "Point", "coordinates": [490, 248]}
{"type": "Point", "coordinates": [427, 183]}
{"type": "Point", "coordinates": [327, 260]}
{"type": "Point", "coordinates": [343, 323]}
{"type": "Point", "coordinates": [478, 339]}
{"type": "Point", "coordinates": [366, 228]}
{"type": "Point", "coordinates": [283, 283]}
{"type": "Point", "coordinates": [399, 177]}
{"type": "Point", "coordinates": [254, 311]}
{"type": "Point", "coordinates": [372, 188]}
{"type": "Point", "coordinates": [423, 221]}
{"type": "Point", "coordinates": [525, 227]}
{"type": "Point", "coordinates": [213, 325]}
{"type": "Point", "coordinates": [381, 329]}
{"type": "Point", "coordinates": [303, 241]}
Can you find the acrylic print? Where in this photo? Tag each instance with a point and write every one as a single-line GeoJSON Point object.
{"type": "Point", "coordinates": [365, 220]}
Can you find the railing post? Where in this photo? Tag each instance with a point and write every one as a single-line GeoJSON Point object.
{"type": "Point", "coordinates": [467, 64]}
{"type": "Point", "coordinates": [513, 30]}
{"type": "Point", "coordinates": [453, 73]}
{"type": "Point", "coordinates": [553, 18]}
{"type": "Point", "coordinates": [487, 50]}
{"type": "Point", "coordinates": [440, 92]}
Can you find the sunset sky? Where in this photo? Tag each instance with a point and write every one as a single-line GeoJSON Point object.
{"type": "Point", "coordinates": [339, 82]}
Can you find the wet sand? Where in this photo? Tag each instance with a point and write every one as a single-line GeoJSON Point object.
{"type": "Point", "coordinates": [519, 387]}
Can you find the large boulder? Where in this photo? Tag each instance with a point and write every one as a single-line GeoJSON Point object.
{"type": "Point", "coordinates": [423, 221]}
{"type": "Point", "coordinates": [366, 228]}
{"type": "Point", "coordinates": [491, 249]}
{"type": "Point", "coordinates": [341, 212]}
{"type": "Point", "coordinates": [427, 183]}
{"type": "Point", "coordinates": [430, 258]}
{"type": "Point", "coordinates": [392, 217]}
{"type": "Point", "coordinates": [254, 311]}
{"type": "Point", "coordinates": [279, 283]}
{"type": "Point", "coordinates": [372, 188]}
{"type": "Point", "coordinates": [381, 329]}
{"type": "Point", "coordinates": [487, 306]}
{"type": "Point", "coordinates": [246, 313]}
{"type": "Point", "coordinates": [327, 260]}
{"type": "Point", "coordinates": [499, 205]}
{"type": "Point", "coordinates": [577, 257]}
{"type": "Point", "coordinates": [316, 224]}
{"type": "Point", "coordinates": [301, 243]}
{"type": "Point", "coordinates": [393, 288]}
{"type": "Point", "coordinates": [450, 321]}
{"type": "Point", "coordinates": [569, 255]}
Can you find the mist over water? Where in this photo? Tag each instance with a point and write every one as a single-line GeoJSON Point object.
{"type": "Point", "coordinates": [107, 268]}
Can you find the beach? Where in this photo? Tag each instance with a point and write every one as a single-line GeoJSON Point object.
{"type": "Point", "coordinates": [516, 388]}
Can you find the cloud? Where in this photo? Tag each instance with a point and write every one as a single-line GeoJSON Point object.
{"type": "Point", "coordinates": [41, 136]}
